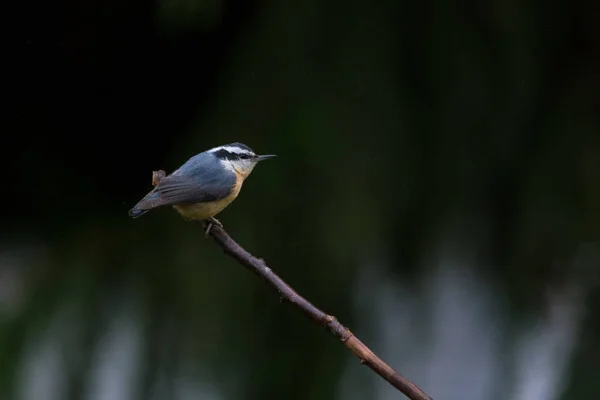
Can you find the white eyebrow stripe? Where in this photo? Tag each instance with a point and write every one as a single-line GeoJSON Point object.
{"type": "Point", "coordinates": [235, 150]}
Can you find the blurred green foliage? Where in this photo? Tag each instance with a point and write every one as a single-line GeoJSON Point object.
{"type": "Point", "coordinates": [395, 123]}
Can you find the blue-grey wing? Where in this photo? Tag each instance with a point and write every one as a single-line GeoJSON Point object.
{"type": "Point", "coordinates": [179, 189]}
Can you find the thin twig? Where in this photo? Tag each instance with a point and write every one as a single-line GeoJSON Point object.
{"type": "Point", "coordinates": [329, 322]}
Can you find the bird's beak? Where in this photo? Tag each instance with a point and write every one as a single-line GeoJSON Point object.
{"type": "Point", "coordinates": [266, 157]}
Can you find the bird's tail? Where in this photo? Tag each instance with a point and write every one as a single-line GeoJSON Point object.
{"type": "Point", "coordinates": [149, 202]}
{"type": "Point", "coordinates": [137, 212]}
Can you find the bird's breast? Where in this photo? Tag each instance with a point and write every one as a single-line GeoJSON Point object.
{"type": "Point", "coordinates": [205, 210]}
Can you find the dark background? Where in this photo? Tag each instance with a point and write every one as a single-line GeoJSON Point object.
{"type": "Point", "coordinates": [437, 189]}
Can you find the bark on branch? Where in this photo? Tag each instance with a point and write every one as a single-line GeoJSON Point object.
{"type": "Point", "coordinates": [329, 322]}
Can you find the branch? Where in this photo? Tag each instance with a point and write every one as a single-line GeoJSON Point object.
{"type": "Point", "coordinates": [329, 322]}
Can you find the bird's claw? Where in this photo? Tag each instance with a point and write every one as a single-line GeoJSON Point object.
{"type": "Point", "coordinates": [209, 224]}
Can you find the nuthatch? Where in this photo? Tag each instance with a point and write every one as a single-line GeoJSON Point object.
{"type": "Point", "coordinates": [204, 185]}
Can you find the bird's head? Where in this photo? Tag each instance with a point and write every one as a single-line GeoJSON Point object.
{"type": "Point", "coordinates": [239, 157]}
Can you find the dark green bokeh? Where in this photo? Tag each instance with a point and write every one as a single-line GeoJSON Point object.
{"type": "Point", "coordinates": [402, 129]}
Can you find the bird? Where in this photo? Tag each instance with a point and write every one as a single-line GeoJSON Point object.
{"type": "Point", "coordinates": [204, 185]}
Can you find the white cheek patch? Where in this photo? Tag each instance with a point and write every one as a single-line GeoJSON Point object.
{"type": "Point", "coordinates": [228, 165]}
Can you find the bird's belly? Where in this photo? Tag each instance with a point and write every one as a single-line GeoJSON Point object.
{"type": "Point", "coordinates": [202, 211]}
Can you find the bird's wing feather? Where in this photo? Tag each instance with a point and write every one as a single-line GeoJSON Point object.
{"type": "Point", "coordinates": [183, 190]}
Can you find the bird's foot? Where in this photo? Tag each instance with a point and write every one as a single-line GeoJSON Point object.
{"type": "Point", "coordinates": [210, 222]}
